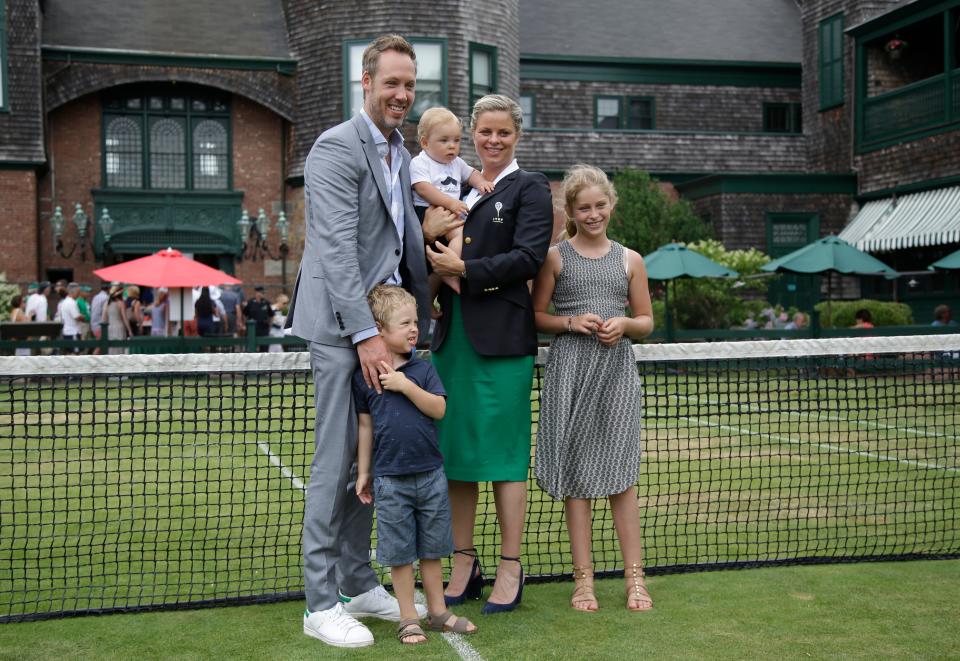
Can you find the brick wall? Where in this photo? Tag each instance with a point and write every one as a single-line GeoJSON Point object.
{"type": "Point", "coordinates": [74, 132]}
{"type": "Point", "coordinates": [258, 172]}
{"type": "Point", "coordinates": [73, 139]}
{"type": "Point", "coordinates": [18, 225]}
{"type": "Point", "coordinates": [570, 104]}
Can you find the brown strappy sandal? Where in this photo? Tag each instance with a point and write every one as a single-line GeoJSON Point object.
{"type": "Point", "coordinates": [439, 621]}
{"type": "Point", "coordinates": [637, 589]}
{"type": "Point", "coordinates": [583, 589]}
{"type": "Point", "coordinates": [408, 629]}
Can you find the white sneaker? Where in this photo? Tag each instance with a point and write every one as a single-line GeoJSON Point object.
{"type": "Point", "coordinates": [336, 627]}
{"type": "Point", "coordinates": [376, 603]}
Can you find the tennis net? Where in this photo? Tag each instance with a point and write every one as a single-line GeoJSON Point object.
{"type": "Point", "coordinates": [165, 481]}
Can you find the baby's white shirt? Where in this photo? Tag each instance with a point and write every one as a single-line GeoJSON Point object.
{"type": "Point", "coordinates": [445, 177]}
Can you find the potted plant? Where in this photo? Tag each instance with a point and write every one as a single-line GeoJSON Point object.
{"type": "Point", "coordinates": [895, 47]}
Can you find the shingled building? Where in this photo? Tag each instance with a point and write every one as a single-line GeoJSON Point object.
{"type": "Point", "coordinates": [781, 120]}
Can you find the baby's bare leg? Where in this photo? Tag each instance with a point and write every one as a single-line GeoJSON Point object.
{"type": "Point", "coordinates": [455, 243]}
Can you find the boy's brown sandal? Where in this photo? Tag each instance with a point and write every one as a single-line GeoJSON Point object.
{"type": "Point", "coordinates": [408, 629]}
{"type": "Point", "coordinates": [439, 621]}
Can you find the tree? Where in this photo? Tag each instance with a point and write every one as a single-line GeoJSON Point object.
{"type": "Point", "coordinates": [646, 218]}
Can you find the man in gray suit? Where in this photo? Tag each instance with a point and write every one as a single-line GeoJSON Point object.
{"type": "Point", "coordinates": [361, 231]}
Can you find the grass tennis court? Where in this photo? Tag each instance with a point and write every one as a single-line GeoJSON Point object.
{"type": "Point", "coordinates": [849, 611]}
{"type": "Point", "coordinates": [148, 488]}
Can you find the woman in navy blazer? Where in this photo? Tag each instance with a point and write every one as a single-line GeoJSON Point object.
{"type": "Point", "coordinates": [484, 346]}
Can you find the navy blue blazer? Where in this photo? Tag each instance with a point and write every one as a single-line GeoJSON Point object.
{"type": "Point", "coordinates": [505, 242]}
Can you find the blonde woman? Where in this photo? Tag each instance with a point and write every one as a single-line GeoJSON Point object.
{"type": "Point", "coordinates": [484, 346]}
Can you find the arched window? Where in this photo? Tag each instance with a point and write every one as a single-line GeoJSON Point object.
{"type": "Point", "coordinates": [123, 152]}
{"type": "Point", "coordinates": [167, 137]}
{"type": "Point", "coordinates": [168, 167]}
{"type": "Point", "coordinates": [210, 154]}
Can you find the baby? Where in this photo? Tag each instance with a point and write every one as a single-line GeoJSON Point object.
{"type": "Point", "coordinates": [438, 172]}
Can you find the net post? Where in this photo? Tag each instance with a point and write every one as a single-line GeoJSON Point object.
{"type": "Point", "coordinates": [251, 336]}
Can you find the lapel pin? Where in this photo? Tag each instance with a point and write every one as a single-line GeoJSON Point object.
{"type": "Point", "coordinates": [498, 218]}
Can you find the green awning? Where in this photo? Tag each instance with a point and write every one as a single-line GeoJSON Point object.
{"type": "Point", "coordinates": [928, 218]}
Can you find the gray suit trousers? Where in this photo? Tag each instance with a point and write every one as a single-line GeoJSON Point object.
{"type": "Point", "coordinates": [336, 525]}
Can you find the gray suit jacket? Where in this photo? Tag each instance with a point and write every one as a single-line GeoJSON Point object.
{"type": "Point", "coordinates": [352, 244]}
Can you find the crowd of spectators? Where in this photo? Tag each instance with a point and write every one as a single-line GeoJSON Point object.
{"type": "Point", "coordinates": [124, 311]}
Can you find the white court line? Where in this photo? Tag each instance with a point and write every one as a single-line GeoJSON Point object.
{"type": "Point", "coordinates": [462, 647]}
{"type": "Point", "coordinates": [287, 473]}
{"type": "Point", "coordinates": [455, 640]}
{"type": "Point", "coordinates": [835, 418]}
{"type": "Point", "coordinates": [830, 446]}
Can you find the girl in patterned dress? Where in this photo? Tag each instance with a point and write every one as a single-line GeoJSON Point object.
{"type": "Point", "coordinates": [588, 438]}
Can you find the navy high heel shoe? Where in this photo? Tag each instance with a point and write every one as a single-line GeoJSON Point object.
{"type": "Point", "coordinates": [490, 607]}
{"type": "Point", "coordinates": [474, 587]}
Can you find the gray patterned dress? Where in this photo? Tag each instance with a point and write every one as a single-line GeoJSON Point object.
{"type": "Point", "coordinates": [588, 439]}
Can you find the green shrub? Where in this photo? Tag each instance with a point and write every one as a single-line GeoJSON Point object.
{"type": "Point", "coordinates": [7, 292]}
{"type": "Point", "coordinates": [659, 321]}
{"type": "Point", "coordinates": [841, 314]}
{"type": "Point", "coordinates": [720, 302]}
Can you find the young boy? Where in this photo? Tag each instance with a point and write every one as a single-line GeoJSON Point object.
{"type": "Point", "coordinates": [409, 488]}
{"type": "Point", "coordinates": [437, 173]}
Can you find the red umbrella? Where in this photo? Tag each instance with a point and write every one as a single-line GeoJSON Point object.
{"type": "Point", "coordinates": [167, 268]}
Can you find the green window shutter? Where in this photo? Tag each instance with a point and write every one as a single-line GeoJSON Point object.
{"type": "Point", "coordinates": [831, 61]}
{"type": "Point", "coordinates": [4, 104]}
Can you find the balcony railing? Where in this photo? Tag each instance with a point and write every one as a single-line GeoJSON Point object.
{"type": "Point", "coordinates": [147, 221]}
{"type": "Point", "coordinates": [911, 109]}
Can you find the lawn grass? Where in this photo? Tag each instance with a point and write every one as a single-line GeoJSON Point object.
{"type": "Point", "coordinates": [849, 611]}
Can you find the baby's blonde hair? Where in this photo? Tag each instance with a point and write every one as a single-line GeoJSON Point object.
{"type": "Point", "coordinates": [577, 179]}
{"type": "Point", "coordinates": [385, 300]}
{"type": "Point", "coordinates": [433, 118]}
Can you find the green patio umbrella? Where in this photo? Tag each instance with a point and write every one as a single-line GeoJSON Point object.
{"type": "Point", "coordinates": [949, 263]}
{"type": "Point", "coordinates": [831, 253]}
{"type": "Point", "coordinates": [677, 261]}
{"type": "Point", "coordinates": [828, 255]}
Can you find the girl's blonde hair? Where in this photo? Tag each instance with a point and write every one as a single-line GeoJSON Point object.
{"type": "Point", "coordinates": [433, 118]}
{"type": "Point", "coordinates": [577, 179]}
{"type": "Point", "coordinates": [497, 103]}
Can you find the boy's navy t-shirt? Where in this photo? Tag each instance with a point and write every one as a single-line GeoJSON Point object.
{"type": "Point", "coordinates": [404, 439]}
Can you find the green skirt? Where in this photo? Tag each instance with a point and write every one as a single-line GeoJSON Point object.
{"type": "Point", "coordinates": [485, 434]}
